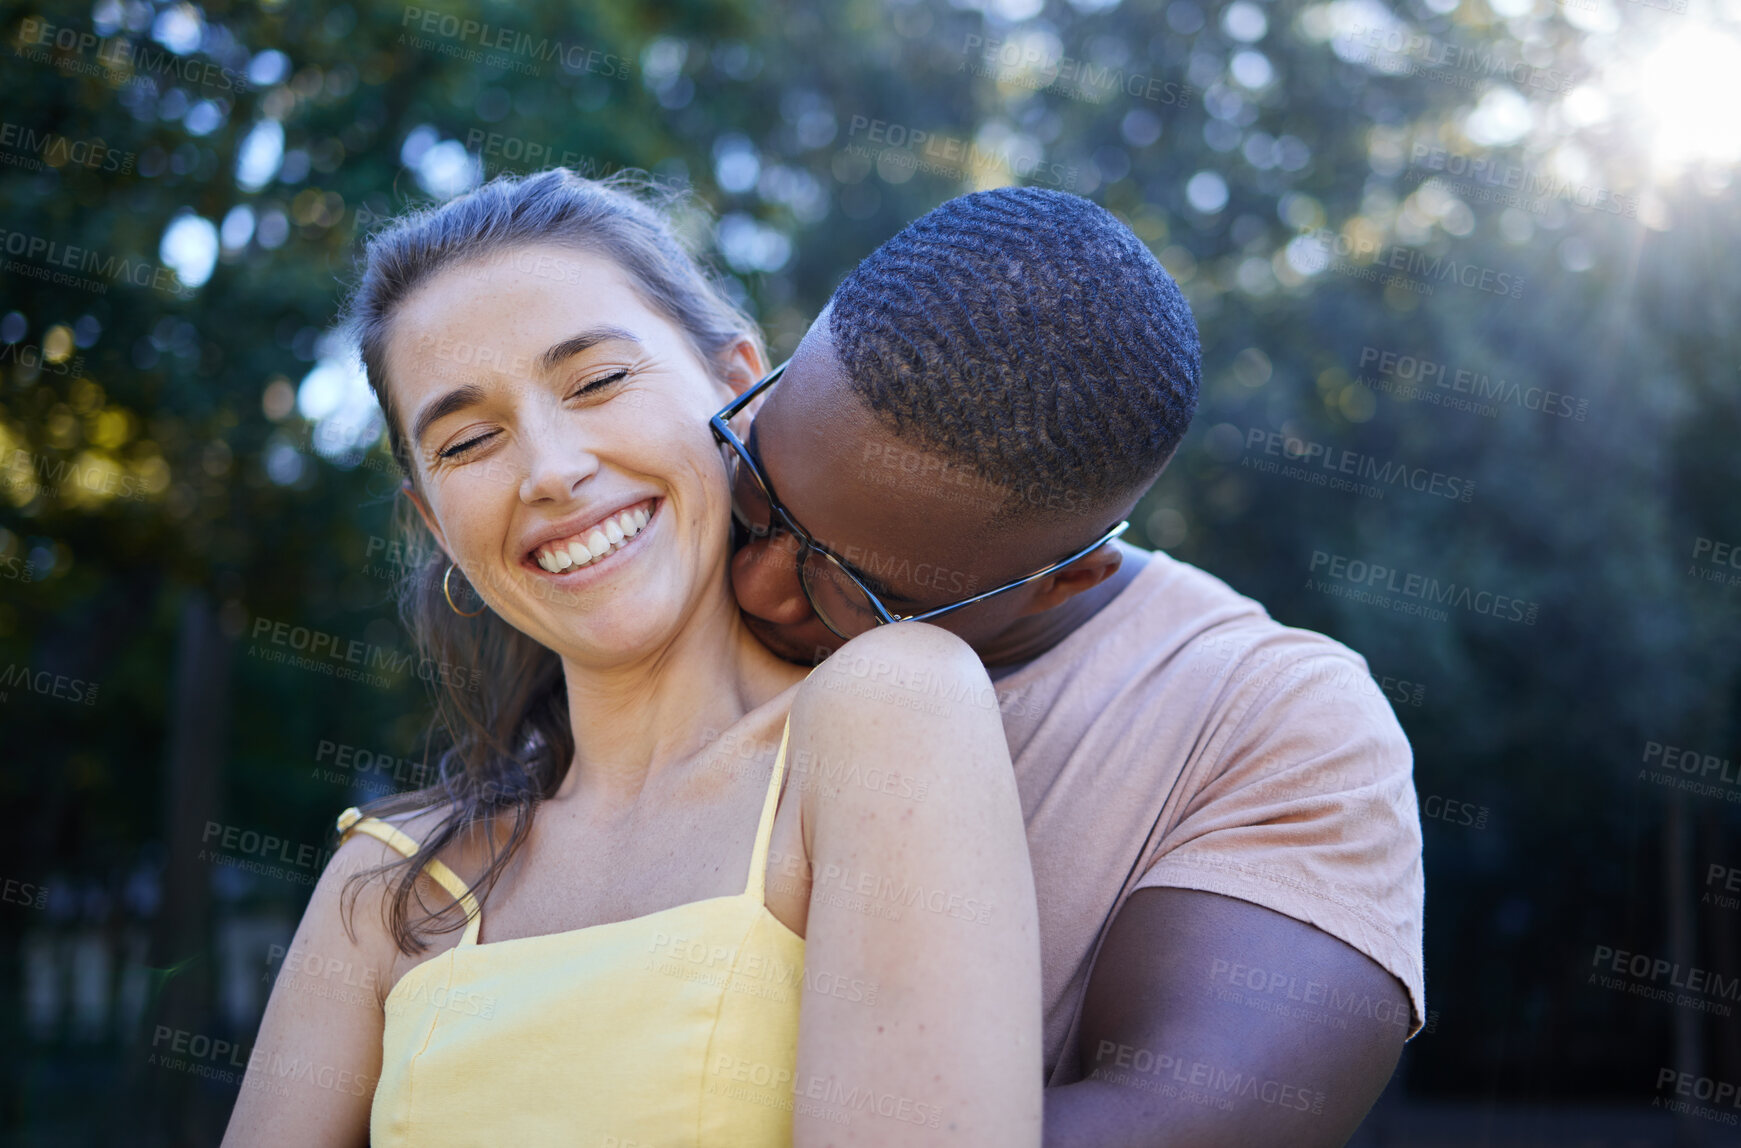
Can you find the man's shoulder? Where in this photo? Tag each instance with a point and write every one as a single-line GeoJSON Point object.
{"type": "Point", "coordinates": [1179, 618]}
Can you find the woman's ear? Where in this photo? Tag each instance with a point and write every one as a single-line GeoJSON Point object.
{"type": "Point", "coordinates": [742, 366]}
{"type": "Point", "coordinates": [410, 492]}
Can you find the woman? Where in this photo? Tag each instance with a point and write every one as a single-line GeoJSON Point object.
{"type": "Point", "coordinates": [600, 928]}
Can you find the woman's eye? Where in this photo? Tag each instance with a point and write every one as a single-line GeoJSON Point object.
{"type": "Point", "coordinates": [595, 385]}
{"type": "Point", "coordinates": [460, 448]}
{"type": "Point", "coordinates": [600, 384]}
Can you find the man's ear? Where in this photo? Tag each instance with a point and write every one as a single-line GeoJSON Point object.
{"type": "Point", "coordinates": [410, 492]}
{"type": "Point", "coordinates": [1080, 576]}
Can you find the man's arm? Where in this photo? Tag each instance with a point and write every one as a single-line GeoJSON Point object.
{"type": "Point", "coordinates": [1211, 1022]}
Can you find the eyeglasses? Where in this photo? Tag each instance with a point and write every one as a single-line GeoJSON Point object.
{"type": "Point", "coordinates": [837, 593]}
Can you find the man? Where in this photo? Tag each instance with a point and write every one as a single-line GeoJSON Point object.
{"type": "Point", "coordinates": [1220, 810]}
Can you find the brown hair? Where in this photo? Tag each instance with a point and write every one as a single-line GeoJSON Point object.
{"type": "Point", "coordinates": [501, 723]}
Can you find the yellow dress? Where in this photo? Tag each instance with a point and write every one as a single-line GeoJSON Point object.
{"type": "Point", "coordinates": [679, 1028]}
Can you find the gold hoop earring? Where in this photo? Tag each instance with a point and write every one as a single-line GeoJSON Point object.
{"type": "Point", "coordinates": [447, 593]}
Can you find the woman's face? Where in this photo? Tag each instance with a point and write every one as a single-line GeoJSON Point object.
{"type": "Point", "coordinates": [558, 428]}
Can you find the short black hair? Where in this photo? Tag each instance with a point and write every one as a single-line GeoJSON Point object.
{"type": "Point", "coordinates": [1029, 336]}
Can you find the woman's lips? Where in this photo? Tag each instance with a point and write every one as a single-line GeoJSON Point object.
{"type": "Point", "coordinates": [596, 542]}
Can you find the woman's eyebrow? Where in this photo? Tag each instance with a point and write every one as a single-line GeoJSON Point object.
{"type": "Point", "coordinates": [584, 341]}
{"type": "Point", "coordinates": [453, 401]}
{"type": "Point", "coordinates": [464, 396]}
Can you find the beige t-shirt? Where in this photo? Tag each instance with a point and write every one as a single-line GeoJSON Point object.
{"type": "Point", "coordinates": [1181, 737]}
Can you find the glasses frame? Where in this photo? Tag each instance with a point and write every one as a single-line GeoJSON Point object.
{"type": "Point", "coordinates": [807, 543]}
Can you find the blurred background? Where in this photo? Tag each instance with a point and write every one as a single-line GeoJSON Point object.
{"type": "Point", "coordinates": [1466, 273]}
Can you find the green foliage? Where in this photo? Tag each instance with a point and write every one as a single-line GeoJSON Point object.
{"type": "Point", "coordinates": [155, 472]}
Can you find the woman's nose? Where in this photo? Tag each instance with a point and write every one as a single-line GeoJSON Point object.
{"type": "Point", "coordinates": [554, 469]}
{"type": "Point", "coordinates": [764, 577]}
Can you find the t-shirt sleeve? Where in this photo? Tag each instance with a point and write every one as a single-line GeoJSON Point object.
{"type": "Point", "coordinates": [1305, 804]}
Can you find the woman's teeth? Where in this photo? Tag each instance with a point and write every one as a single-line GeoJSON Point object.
{"type": "Point", "coordinates": [584, 549]}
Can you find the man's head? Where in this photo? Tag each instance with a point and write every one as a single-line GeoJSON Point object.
{"type": "Point", "coordinates": [988, 392]}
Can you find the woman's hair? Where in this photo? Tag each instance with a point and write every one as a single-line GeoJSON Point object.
{"type": "Point", "coordinates": [501, 726]}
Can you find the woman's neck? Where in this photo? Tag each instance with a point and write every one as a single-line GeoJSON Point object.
{"type": "Point", "coordinates": [633, 719]}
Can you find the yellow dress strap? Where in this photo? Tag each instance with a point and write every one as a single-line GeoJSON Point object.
{"type": "Point", "coordinates": [765, 829]}
{"type": "Point", "coordinates": [353, 821]}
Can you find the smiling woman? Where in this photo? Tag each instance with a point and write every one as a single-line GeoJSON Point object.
{"type": "Point", "coordinates": [538, 438]}
{"type": "Point", "coordinates": [421, 307]}
{"type": "Point", "coordinates": [547, 358]}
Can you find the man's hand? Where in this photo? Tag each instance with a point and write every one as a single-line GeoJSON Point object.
{"type": "Point", "coordinates": [1215, 1022]}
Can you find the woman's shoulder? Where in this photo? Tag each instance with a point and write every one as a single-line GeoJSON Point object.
{"type": "Point", "coordinates": [405, 829]}
{"type": "Point", "coordinates": [887, 651]}
{"type": "Point", "coordinates": [377, 849]}
{"type": "Point", "coordinates": [377, 844]}
{"type": "Point", "coordinates": [908, 693]}
{"type": "Point", "coordinates": [911, 639]}
{"type": "Point", "coordinates": [918, 667]}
